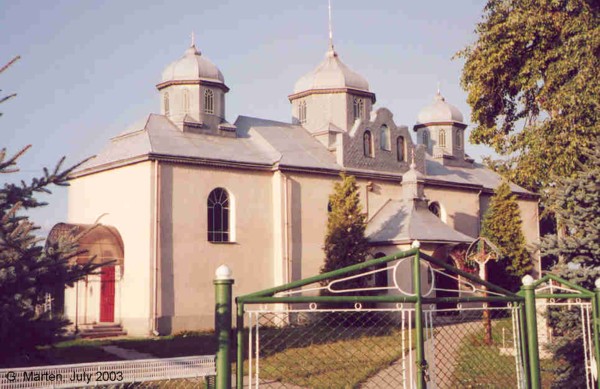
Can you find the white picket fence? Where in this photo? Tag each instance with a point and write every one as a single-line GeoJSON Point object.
{"type": "Point", "coordinates": [108, 373]}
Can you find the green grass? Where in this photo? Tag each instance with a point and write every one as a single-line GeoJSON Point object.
{"type": "Point", "coordinates": [481, 365]}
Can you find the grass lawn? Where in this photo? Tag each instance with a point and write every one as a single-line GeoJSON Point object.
{"type": "Point", "coordinates": [482, 366]}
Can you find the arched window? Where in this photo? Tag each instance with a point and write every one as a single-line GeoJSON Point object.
{"type": "Point", "coordinates": [186, 101]}
{"type": "Point", "coordinates": [209, 101]}
{"type": "Point", "coordinates": [442, 138]}
{"type": "Point", "coordinates": [458, 139]}
{"type": "Point", "coordinates": [400, 146]}
{"type": "Point", "coordinates": [166, 103]}
{"type": "Point", "coordinates": [359, 107]}
{"type": "Point", "coordinates": [435, 209]}
{"type": "Point", "coordinates": [302, 112]}
{"type": "Point", "coordinates": [218, 216]}
{"type": "Point", "coordinates": [368, 144]}
{"type": "Point", "coordinates": [425, 138]}
{"type": "Point", "coordinates": [384, 140]}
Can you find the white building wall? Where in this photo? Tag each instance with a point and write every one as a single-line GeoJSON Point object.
{"type": "Point", "coordinates": [123, 196]}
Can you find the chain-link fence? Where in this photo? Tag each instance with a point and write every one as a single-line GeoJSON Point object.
{"type": "Point", "coordinates": [474, 347]}
{"type": "Point", "coordinates": [374, 348]}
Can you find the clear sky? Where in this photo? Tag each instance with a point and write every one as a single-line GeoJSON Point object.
{"type": "Point", "coordinates": [89, 68]}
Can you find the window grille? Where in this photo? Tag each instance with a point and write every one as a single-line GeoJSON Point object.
{"type": "Point", "coordinates": [218, 216]}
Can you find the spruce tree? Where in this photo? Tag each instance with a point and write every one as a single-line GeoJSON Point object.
{"type": "Point", "coordinates": [502, 226]}
{"type": "Point", "coordinates": [29, 270]}
{"type": "Point", "coordinates": [345, 241]}
{"type": "Point", "coordinates": [576, 202]}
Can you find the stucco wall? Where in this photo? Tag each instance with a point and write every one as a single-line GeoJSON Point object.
{"type": "Point", "coordinates": [459, 208]}
{"type": "Point", "coordinates": [188, 261]}
{"type": "Point", "coordinates": [123, 196]}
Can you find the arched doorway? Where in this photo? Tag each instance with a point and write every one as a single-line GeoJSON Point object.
{"type": "Point", "coordinates": [103, 245]}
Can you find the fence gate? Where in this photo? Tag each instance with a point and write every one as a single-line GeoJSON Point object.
{"type": "Point", "coordinates": [379, 324]}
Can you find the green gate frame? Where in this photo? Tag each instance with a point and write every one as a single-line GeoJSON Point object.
{"type": "Point", "coordinates": [524, 299]}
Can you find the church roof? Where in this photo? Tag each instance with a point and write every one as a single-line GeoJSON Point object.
{"type": "Point", "coordinates": [478, 174]}
{"type": "Point", "coordinates": [440, 111]}
{"type": "Point", "coordinates": [192, 66]}
{"type": "Point", "coordinates": [403, 221]}
{"type": "Point", "coordinates": [332, 73]}
{"type": "Point", "coordinates": [259, 142]}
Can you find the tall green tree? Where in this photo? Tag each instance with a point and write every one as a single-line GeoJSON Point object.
{"type": "Point", "coordinates": [502, 225]}
{"type": "Point", "coordinates": [30, 272]}
{"type": "Point", "coordinates": [345, 241]}
{"type": "Point", "coordinates": [576, 201]}
{"type": "Point", "coordinates": [533, 85]}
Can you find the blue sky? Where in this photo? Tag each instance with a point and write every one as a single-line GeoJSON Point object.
{"type": "Point", "coordinates": [89, 68]}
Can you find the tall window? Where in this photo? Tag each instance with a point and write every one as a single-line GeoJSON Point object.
{"type": "Point", "coordinates": [218, 216]}
{"type": "Point", "coordinates": [400, 146]}
{"type": "Point", "coordinates": [426, 138]}
{"type": "Point", "coordinates": [186, 101]}
{"type": "Point", "coordinates": [384, 138]}
{"type": "Point", "coordinates": [458, 139]}
{"type": "Point", "coordinates": [209, 101]}
{"type": "Point", "coordinates": [359, 107]}
{"type": "Point", "coordinates": [166, 103]}
{"type": "Point", "coordinates": [368, 144]}
{"type": "Point", "coordinates": [442, 138]}
{"type": "Point", "coordinates": [302, 112]}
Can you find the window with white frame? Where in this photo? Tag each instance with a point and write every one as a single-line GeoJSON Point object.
{"type": "Point", "coordinates": [209, 101]}
{"type": "Point", "coordinates": [218, 216]}
{"type": "Point", "coordinates": [384, 138]}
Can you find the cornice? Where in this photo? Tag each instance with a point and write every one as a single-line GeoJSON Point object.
{"type": "Point", "coordinates": [460, 125]}
{"type": "Point", "coordinates": [327, 91]}
{"type": "Point", "coordinates": [165, 84]}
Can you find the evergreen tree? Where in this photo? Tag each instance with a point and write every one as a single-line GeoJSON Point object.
{"type": "Point", "coordinates": [345, 242]}
{"type": "Point", "coordinates": [502, 226]}
{"type": "Point", "coordinates": [576, 202]}
{"type": "Point", "coordinates": [30, 271]}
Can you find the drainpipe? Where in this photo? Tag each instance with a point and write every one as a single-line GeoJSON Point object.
{"type": "Point", "coordinates": [368, 188]}
{"type": "Point", "coordinates": [286, 234]}
{"type": "Point", "coordinates": [156, 246]}
{"type": "Point", "coordinates": [479, 213]}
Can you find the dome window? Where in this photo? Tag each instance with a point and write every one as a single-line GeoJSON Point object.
{"type": "Point", "coordinates": [359, 107]}
{"type": "Point", "coordinates": [186, 101]}
{"type": "Point", "coordinates": [425, 138]}
{"type": "Point", "coordinates": [368, 144]}
{"type": "Point", "coordinates": [442, 138]}
{"type": "Point", "coordinates": [384, 140]}
{"type": "Point", "coordinates": [209, 101]}
{"type": "Point", "coordinates": [458, 139]}
{"type": "Point", "coordinates": [166, 103]}
{"type": "Point", "coordinates": [302, 112]}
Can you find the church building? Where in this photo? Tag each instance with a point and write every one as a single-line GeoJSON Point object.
{"type": "Point", "coordinates": [184, 191]}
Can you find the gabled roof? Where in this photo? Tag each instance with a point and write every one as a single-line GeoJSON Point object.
{"type": "Point", "coordinates": [402, 221]}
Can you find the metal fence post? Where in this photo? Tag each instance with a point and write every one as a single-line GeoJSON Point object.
{"type": "Point", "coordinates": [420, 342]}
{"type": "Point", "coordinates": [223, 290]}
{"type": "Point", "coordinates": [532, 336]}
{"type": "Point", "coordinates": [239, 327]}
{"type": "Point", "coordinates": [596, 327]}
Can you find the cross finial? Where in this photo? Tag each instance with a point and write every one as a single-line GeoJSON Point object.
{"type": "Point", "coordinates": [330, 27]}
{"type": "Point", "coordinates": [193, 39]}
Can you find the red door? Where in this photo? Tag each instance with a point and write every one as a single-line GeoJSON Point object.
{"type": "Point", "coordinates": [107, 294]}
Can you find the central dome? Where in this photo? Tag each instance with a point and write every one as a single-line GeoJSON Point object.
{"type": "Point", "coordinates": [331, 74]}
{"type": "Point", "coordinates": [192, 66]}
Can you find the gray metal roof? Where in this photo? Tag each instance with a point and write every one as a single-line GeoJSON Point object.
{"type": "Point", "coordinates": [258, 142]}
{"type": "Point", "coordinates": [476, 175]}
{"type": "Point", "coordinates": [403, 221]}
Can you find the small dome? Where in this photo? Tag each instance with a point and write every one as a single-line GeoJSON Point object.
{"type": "Point", "coordinates": [439, 111]}
{"type": "Point", "coordinates": [331, 74]}
{"type": "Point", "coordinates": [192, 66]}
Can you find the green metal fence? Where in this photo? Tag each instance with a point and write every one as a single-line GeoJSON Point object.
{"type": "Point", "coordinates": [343, 329]}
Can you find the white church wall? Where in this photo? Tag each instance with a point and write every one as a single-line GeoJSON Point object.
{"type": "Point", "coordinates": [460, 207]}
{"type": "Point", "coordinates": [188, 260]}
{"type": "Point", "coordinates": [123, 196]}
